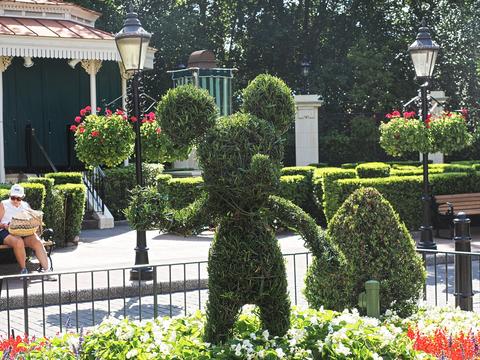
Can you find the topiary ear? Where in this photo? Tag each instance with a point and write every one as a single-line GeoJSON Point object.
{"type": "Point", "coordinates": [186, 113]}
{"type": "Point", "coordinates": [269, 98]}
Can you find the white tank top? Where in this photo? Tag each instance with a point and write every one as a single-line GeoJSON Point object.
{"type": "Point", "coordinates": [11, 210]}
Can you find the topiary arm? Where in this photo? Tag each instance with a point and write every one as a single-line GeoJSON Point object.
{"type": "Point", "coordinates": [192, 219]}
{"type": "Point", "coordinates": [299, 221]}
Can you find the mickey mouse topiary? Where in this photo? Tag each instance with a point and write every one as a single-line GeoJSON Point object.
{"type": "Point", "coordinates": [240, 156]}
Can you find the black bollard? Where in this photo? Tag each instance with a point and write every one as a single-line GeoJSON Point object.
{"type": "Point", "coordinates": [463, 263]}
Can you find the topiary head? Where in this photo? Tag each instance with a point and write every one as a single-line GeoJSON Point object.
{"type": "Point", "coordinates": [269, 98]}
{"type": "Point", "coordinates": [186, 113]}
{"type": "Point", "coordinates": [240, 159]}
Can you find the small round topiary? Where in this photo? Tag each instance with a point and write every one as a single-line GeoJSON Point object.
{"type": "Point", "coordinates": [186, 113]}
{"type": "Point", "coordinates": [269, 98]}
{"type": "Point", "coordinates": [376, 245]}
{"type": "Point", "coordinates": [373, 170]}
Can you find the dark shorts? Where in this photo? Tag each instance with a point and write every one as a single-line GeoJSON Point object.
{"type": "Point", "coordinates": [3, 234]}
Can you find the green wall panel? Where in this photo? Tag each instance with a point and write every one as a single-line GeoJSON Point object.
{"type": "Point", "coordinates": [48, 96]}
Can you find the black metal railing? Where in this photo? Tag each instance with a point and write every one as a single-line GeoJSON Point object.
{"type": "Point", "coordinates": [94, 180]}
{"type": "Point", "coordinates": [82, 299]}
{"type": "Point", "coordinates": [31, 140]}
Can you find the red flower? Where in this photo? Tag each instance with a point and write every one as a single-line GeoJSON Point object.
{"type": "Point", "coordinates": [119, 112]}
{"type": "Point", "coordinates": [83, 112]}
{"type": "Point", "coordinates": [388, 116]}
{"type": "Point", "coordinates": [158, 130]}
{"type": "Point", "coordinates": [73, 128]}
{"type": "Point", "coordinates": [99, 109]}
{"type": "Point", "coordinates": [409, 114]}
{"type": "Point", "coordinates": [108, 112]}
{"type": "Point", "coordinates": [95, 133]}
{"type": "Point", "coordinates": [464, 112]}
{"type": "Point", "coordinates": [151, 116]}
{"type": "Point", "coordinates": [81, 130]}
{"type": "Point", "coordinates": [133, 119]}
{"type": "Point", "coordinates": [88, 108]}
{"type": "Point", "coordinates": [78, 119]}
{"type": "Point", "coordinates": [396, 113]}
{"type": "Point", "coordinates": [144, 120]}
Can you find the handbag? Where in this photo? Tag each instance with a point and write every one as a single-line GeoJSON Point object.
{"type": "Point", "coordinates": [25, 223]}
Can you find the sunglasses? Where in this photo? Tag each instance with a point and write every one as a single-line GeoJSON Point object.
{"type": "Point", "coordinates": [15, 198]}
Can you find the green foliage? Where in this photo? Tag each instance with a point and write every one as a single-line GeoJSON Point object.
{"type": "Point", "coordinates": [183, 191]}
{"type": "Point", "coordinates": [145, 208]}
{"type": "Point", "coordinates": [35, 195]}
{"type": "Point", "coordinates": [74, 196]}
{"type": "Point", "coordinates": [60, 178]}
{"type": "Point", "coordinates": [364, 137]}
{"type": "Point", "coordinates": [373, 170]}
{"type": "Point", "coordinates": [270, 99]}
{"type": "Point", "coordinates": [49, 210]}
{"type": "Point", "coordinates": [328, 179]}
{"type": "Point", "coordinates": [376, 245]}
{"type": "Point", "coordinates": [162, 182]}
{"type": "Point", "coordinates": [157, 147]}
{"type": "Point", "coordinates": [306, 171]}
{"type": "Point", "coordinates": [310, 337]}
{"type": "Point", "coordinates": [245, 266]}
{"type": "Point", "coordinates": [58, 218]}
{"type": "Point", "coordinates": [295, 188]}
{"type": "Point", "coordinates": [403, 192]}
{"type": "Point", "coordinates": [186, 113]}
{"type": "Point", "coordinates": [402, 135]}
{"type": "Point", "coordinates": [104, 140]}
{"type": "Point", "coordinates": [228, 156]}
{"type": "Point", "coordinates": [341, 145]}
{"type": "Point", "coordinates": [450, 133]}
{"type": "Point", "coordinates": [119, 181]}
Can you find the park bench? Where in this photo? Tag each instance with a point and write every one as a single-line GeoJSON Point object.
{"type": "Point", "coordinates": [448, 206]}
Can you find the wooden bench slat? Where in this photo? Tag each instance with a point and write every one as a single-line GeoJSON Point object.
{"type": "Point", "coordinates": [457, 197]}
{"type": "Point", "coordinates": [461, 206]}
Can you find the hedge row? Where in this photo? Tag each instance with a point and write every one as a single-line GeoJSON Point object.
{"type": "Point", "coordinates": [403, 192]}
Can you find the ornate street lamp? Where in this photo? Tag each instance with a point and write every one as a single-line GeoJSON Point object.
{"type": "Point", "coordinates": [424, 53]}
{"type": "Point", "coordinates": [305, 64]}
{"type": "Point", "coordinates": [132, 43]}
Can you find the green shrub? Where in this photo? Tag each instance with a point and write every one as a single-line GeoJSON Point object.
{"type": "Point", "coordinates": [295, 188]}
{"type": "Point", "coordinates": [74, 196]}
{"type": "Point", "coordinates": [57, 221]}
{"type": "Point", "coordinates": [349, 165]}
{"type": "Point", "coordinates": [373, 170]}
{"type": "Point", "coordinates": [162, 182]}
{"type": "Point", "coordinates": [280, 111]}
{"type": "Point", "coordinates": [50, 211]}
{"type": "Point", "coordinates": [120, 181]}
{"type": "Point", "coordinates": [375, 245]}
{"type": "Point", "coordinates": [60, 178]}
{"type": "Point", "coordinates": [318, 165]}
{"type": "Point", "coordinates": [185, 114]}
{"type": "Point", "coordinates": [329, 182]}
{"type": "Point", "coordinates": [4, 193]}
{"type": "Point", "coordinates": [34, 195]}
{"type": "Point", "coordinates": [306, 171]}
{"type": "Point", "coordinates": [335, 148]}
{"type": "Point", "coordinates": [476, 167]}
{"type": "Point", "coordinates": [403, 192]}
{"type": "Point", "coordinates": [146, 207]}
{"type": "Point", "coordinates": [184, 191]}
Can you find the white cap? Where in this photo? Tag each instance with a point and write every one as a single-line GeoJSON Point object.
{"type": "Point", "coordinates": [17, 190]}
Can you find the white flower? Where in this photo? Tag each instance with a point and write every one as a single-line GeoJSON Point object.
{"type": "Point", "coordinates": [342, 350]}
{"type": "Point", "coordinates": [145, 337]}
{"type": "Point", "coordinates": [132, 353]}
{"type": "Point", "coordinates": [375, 356]}
{"type": "Point", "coordinates": [265, 334]}
{"type": "Point", "coordinates": [253, 336]}
{"type": "Point", "coordinates": [280, 353]}
{"type": "Point", "coordinates": [73, 342]}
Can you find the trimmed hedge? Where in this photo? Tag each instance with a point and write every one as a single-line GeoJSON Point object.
{"type": "Point", "coordinates": [49, 210]}
{"type": "Point", "coordinates": [162, 182]}
{"type": "Point", "coordinates": [74, 196]}
{"type": "Point", "coordinates": [328, 182]}
{"type": "Point", "coordinates": [373, 170]}
{"type": "Point", "coordinates": [403, 192]}
{"type": "Point", "coordinates": [184, 191]}
{"type": "Point", "coordinates": [306, 171]}
{"type": "Point", "coordinates": [34, 195]}
{"type": "Point", "coordinates": [60, 178]}
{"type": "Point", "coordinates": [120, 181]}
{"type": "Point", "coordinates": [295, 188]}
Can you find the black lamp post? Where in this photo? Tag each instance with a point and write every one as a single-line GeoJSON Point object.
{"type": "Point", "coordinates": [305, 64]}
{"type": "Point", "coordinates": [424, 53]}
{"type": "Point", "coordinates": [132, 43]}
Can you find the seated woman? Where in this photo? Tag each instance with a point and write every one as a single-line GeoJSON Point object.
{"type": "Point", "coordinates": [9, 208]}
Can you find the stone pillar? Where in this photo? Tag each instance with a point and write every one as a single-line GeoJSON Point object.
{"type": "Point", "coordinates": [436, 108]}
{"type": "Point", "coordinates": [5, 62]}
{"type": "Point", "coordinates": [92, 67]}
{"type": "Point", "coordinates": [306, 129]}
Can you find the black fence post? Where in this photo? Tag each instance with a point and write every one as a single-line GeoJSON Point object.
{"type": "Point", "coordinates": [463, 263]}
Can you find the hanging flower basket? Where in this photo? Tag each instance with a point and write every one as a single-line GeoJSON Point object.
{"type": "Point", "coordinates": [103, 139]}
{"type": "Point", "coordinates": [156, 145]}
{"type": "Point", "coordinates": [403, 134]}
{"type": "Point", "coordinates": [450, 133]}
{"type": "Point", "coordinates": [406, 133]}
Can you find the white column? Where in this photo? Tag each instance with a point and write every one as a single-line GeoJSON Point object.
{"type": "Point", "coordinates": [5, 62]}
{"type": "Point", "coordinates": [92, 67]}
{"type": "Point", "coordinates": [306, 129]}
